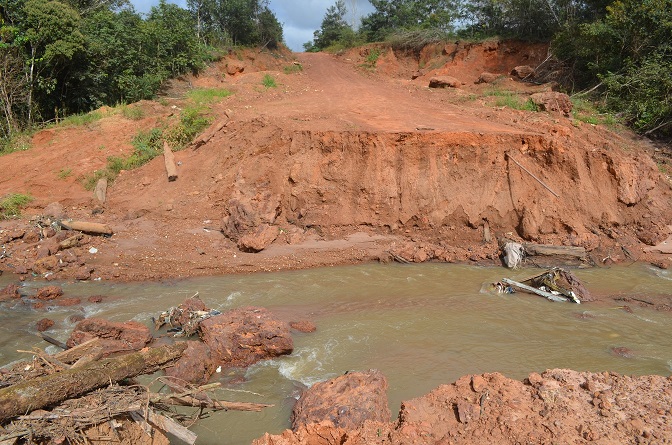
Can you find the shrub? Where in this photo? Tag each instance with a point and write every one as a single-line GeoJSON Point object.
{"type": "Point", "coordinates": [268, 81]}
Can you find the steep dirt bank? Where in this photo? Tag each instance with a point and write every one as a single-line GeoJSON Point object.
{"type": "Point", "coordinates": [558, 406]}
{"type": "Point", "coordinates": [341, 163]}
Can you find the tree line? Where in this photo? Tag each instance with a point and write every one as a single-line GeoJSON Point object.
{"type": "Point", "coordinates": [619, 50]}
{"type": "Point", "coordinates": [63, 57]}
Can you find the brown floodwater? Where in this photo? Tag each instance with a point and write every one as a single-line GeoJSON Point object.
{"type": "Point", "coordinates": [421, 325]}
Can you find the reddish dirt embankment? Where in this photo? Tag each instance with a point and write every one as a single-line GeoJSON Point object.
{"type": "Point", "coordinates": [340, 163]}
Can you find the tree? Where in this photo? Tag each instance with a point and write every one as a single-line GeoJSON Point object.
{"type": "Point", "coordinates": [334, 28]}
{"type": "Point", "coordinates": [397, 15]}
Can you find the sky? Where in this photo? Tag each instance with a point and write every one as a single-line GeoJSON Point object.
{"type": "Point", "coordinates": [299, 18]}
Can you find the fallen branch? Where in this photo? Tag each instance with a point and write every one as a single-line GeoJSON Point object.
{"type": "Point", "coordinates": [76, 352]}
{"type": "Point", "coordinates": [51, 389]}
{"type": "Point", "coordinates": [87, 227]}
{"type": "Point", "coordinates": [216, 128]}
{"type": "Point", "coordinates": [168, 425]}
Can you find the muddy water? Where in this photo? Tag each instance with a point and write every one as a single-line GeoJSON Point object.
{"type": "Point", "coordinates": [421, 325]}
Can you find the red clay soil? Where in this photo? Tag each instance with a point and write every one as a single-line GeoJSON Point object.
{"type": "Point", "coordinates": [345, 161]}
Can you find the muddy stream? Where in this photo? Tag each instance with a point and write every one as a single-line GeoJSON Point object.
{"type": "Point", "coordinates": [420, 325]}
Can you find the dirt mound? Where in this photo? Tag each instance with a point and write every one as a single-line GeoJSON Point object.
{"type": "Point", "coordinates": [558, 406]}
{"type": "Point", "coordinates": [342, 162]}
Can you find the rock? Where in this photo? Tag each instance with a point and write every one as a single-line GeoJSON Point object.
{"type": "Point", "coordinates": [95, 299]}
{"type": "Point", "coordinates": [259, 239]}
{"type": "Point", "coordinates": [246, 335]}
{"type": "Point", "coordinates": [244, 214]}
{"type": "Point", "coordinates": [303, 326]}
{"type": "Point", "coordinates": [196, 364]}
{"type": "Point", "coordinates": [478, 383]}
{"type": "Point", "coordinates": [31, 236]}
{"type": "Point", "coordinates": [444, 82]}
{"type": "Point", "coordinates": [49, 293]}
{"type": "Point", "coordinates": [487, 78]}
{"type": "Point", "coordinates": [9, 292]}
{"type": "Point", "coordinates": [552, 101]}
{"type": "Point", "coordinates": [523, 72]}
{"type": "Point", "coordinates": [116, 336]}
{"type": "Point", "coordinates": [54, 210]}
{"type": "Point", "coordinates": [83, 273]}
{"type": "Point", "coordinates": [44, 324]}
{"type": "Point", "coordinates": [64, 302]}
{"type": "Point", "coordinates": [44, 265]}
{"type": "Point", "coordinates": [344, 402]}
{"type": "Point", "coordinates": [467, 412]}
{"type": "Point", "coordinates": [234, 67]}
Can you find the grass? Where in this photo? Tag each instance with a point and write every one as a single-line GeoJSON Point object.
{"type": "Point", "coordinates": [268, 81]}
{"type": "Point", "coordinates": [293, 68]}
{"type": "Point", "coordinates": [585, 111]}
{"type": "Point", "coordinates": [372, 58]}
{"type": "Point", "coordinates": [78, 120]}
{"type": "Point", "coordinates": [208, 95]}
{"type": "Point", "coordinates": [512, 100]}
{"type": "Point", "coordinates": [132, 113]}
{"type": "Point", "coordinates": [18, 142]}
{"type": "Point", "coordinates": [65, 173]}
{"type": "Point", "coordinates": [11, 205]}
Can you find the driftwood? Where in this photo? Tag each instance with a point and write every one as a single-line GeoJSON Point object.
{"type": "Point", "coordinates": [75, 353]}
{"type": "Point", "coordinates": [169, 159]}
{"type": "Point", "coordinates": [534, 290]}
{"type": "Point", "coordinates": [51, 389]}
{"type": "Point", "coordinates": [87, 227]}
{"type": "Point", "coordinates": [100, 193]}
{"type": "Point", "coordinates": [164, 424]}
{"type": "Point", "coordinates": [198, 397]}
{"type": "Point", "coordinates": [550, 250]}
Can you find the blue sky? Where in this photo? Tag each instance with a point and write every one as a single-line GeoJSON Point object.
{"type": "Point", "coordinates": [300, 18]}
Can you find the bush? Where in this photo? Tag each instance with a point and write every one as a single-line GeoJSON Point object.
{"type": "Point", "coordinates": [268, 81]}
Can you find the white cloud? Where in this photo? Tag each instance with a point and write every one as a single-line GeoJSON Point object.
{"type": "Point", "coordinates": [299, 18]}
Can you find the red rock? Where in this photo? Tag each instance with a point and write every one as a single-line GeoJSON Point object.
{"type": "Point", "coordinates": [196, 364]}
{"type": "Point", "coordinates": [467, 412]}
{"type": "Point", "coordinates": [523, 72]}
{"type": "Point", "coordinates": [189, 305]}
{"type": "Point", "coordinates": [44, 265]}
{"type": "Point", "coordinates": [31, 237]}
{"type": "Point", "coordinates": [75, 318]}
{"type": "Point", "coordinates": [553, 102]}
{"type": "Point", "coordinates": [44, 324]}
{"type": "Point", "coordinates": [83, 273]}
{"type": "Point", "coordinates": [39, 305]}
{"type": "Point", "coordinates": [116, 336]}
{"type": "Point", "coordinates": [259, 239]}
{"type": "Point", "coordinates": [55, 210]}
{"type": "Point", "coordinates": [9, 292]}
{"type": "Point", "coordinates": [234, 67]}
{"type": "Point", "coordinates": [49, 293]}
{"type": "Point", "coordinates": [344, 402]}
{"type": "Point", "coordinates": [95, 299]}
{"type": "Point", "coordinates": [67, 302]}
{"type": "Point", "coordinates": [487, 78]}
{"type": "Point", "coordinates": [303, 326]}
{"type": "Point", "coordinates": [444, 82]}
{"type": "Point", "coordinates": [246, 335]}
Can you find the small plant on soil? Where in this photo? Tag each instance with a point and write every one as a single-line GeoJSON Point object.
{"type": "Point", "coordinates": [268, 81]}
{"type": "Point", "coordinates": [18, 142]}
{"type": "Point", "coordinates": [11, 205]}
{"type": "Point", "coordinates": [132, 113]}
{"type": "Point", "coordinates": [64, 173]}
{"type": "Point", "coordinates": [208, 95]}
{"type": "Point", "coordinates": [77, 120]}
{"type": "Point", "coordinates": [293, 69]}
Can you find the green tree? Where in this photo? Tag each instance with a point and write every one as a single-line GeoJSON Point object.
{"type": "Point", "coordinates": [397, 15]}
{"type": "Point", "coordinates": [334, 26]}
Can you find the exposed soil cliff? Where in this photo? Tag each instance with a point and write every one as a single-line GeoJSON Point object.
{"type": "Point", "coordinates": [343, 161]}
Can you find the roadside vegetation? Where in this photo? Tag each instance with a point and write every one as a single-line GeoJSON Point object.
{"type": "Point", "coordinates": [63, 59]}
{"type": "Point", "coordinates": [11, 205]}
{"type": "Point", "coordinates": [614, 54]}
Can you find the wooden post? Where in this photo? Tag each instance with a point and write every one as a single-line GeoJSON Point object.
{"type": "Point", "coordinates": [169, 159]}
{"type": "Point", "coordinates": [88, 227]}
{"type": "Point", "coordinates": [101, 190]}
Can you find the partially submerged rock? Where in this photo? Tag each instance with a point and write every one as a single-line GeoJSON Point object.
{"type": "Point", "coordinates": [344, 402]}
{"type": "Point", "coordinates": [115, 336]}
{"type": "Point", "coordinates": [246, 335]}
{"type": "Point", "coordinates": [196, 364]}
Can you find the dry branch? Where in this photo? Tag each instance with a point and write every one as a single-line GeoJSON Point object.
{"type": "Point", "coordinates": [51, 389]}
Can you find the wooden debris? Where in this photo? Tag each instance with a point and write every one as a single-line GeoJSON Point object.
{"type": "Point", "coordinates": [550, 250]}
{"type": "Point", "coordinates": [51, 389]}
{"type": "Point", "coordinates": [169, 159]}
{"type": "Point", "coordinates": [73, 241]}
{"type": "Point", "coordinates": [166, 424]}
{"type": "Point", "coordinates": [87, 227]}
{"type": "Point", "coordinates": [75, 353]}
{"type": "Point", "coordinates": [541, 293]}
{"type": "Point", "coordinates": [100, 192]}
{"type": "Point", "coordinates": [212, 131]}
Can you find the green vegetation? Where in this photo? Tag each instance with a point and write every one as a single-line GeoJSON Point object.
{"type": "Point", "coordinates": [372, 58]}
{"type": "Point", "coordinates": [208, 95]}
{"type": "Point", "coordinates": [11, 205]}
{"type": "Point", "coordinates": [293, 68]}
{"type": "Point", "coordinates": [268, 81]}
{"type": "Point", "coordinates": [132, 113]}
{"type": "Point", "coordinates": [64, 173]}
{"type": "Point", "coordinates": [511, 99]}
{"type": "Point", "coordinates": [78, 120]}
{"type": "Point", "coordinates": [66, 58]}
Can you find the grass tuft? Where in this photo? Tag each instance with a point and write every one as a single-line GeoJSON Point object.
{"type": "Point", "coordinates": [132, 113]}
{"type": "Point", "coordinates": [207, 95]}
{"type": "Point", "coordinates": [293, 68]}
{"type": "Point", "coordinates": [268, 81]}
{"type": "Point", "coordinates": [11, 205]}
